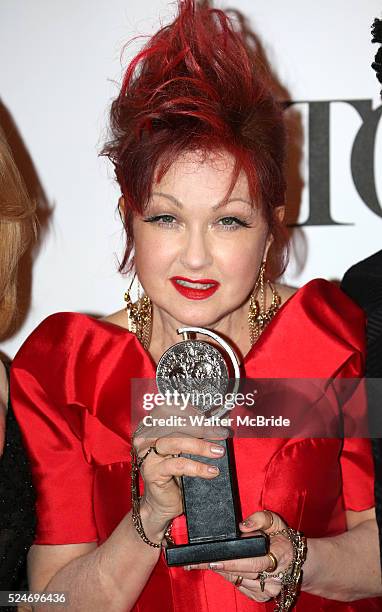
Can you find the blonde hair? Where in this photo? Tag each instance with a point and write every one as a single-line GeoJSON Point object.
{"type": "Point", "coordinates": [17, 229]}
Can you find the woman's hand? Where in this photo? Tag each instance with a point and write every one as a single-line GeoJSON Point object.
{"type": "Point", "coordinates": [248, 569]}
{"type": "Point", "coordinates": [162, 499]}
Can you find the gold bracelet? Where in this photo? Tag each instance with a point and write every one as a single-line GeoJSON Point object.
{"type": "Point", "coordinates": [136, 503]}
{"type": "Point", "coordinates": [291, 577]}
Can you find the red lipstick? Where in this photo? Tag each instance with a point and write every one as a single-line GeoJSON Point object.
{"type": "Point", "coordinates": [193, 290]}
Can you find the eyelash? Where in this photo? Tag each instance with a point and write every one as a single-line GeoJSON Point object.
{"type": "Point", "coordinates": [157, 219]}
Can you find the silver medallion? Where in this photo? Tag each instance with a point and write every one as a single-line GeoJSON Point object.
{"type": "Point", "coordinates": [197, 370]}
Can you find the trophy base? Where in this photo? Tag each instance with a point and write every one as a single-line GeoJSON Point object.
{"type": "Point", "coordinates": [217, 550]}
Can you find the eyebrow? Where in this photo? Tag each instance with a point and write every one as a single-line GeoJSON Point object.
{"type": "Point", "coordinates": [221, 204]}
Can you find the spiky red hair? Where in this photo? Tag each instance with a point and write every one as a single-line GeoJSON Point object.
{"type": "Point", "coordinates": [196, 85]}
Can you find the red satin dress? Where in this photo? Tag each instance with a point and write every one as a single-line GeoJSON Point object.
{"type": "Point", "coordinates": [71, 384]}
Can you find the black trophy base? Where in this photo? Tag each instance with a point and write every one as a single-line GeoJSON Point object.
{"type": "Point", "coordinates": [218, 550]}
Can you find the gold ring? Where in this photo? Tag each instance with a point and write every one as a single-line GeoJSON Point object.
{"type": "Point", "coordinates": [154, 448]}
{"type": "Point", "coordinates": [272, 567]}
{"type": "Point", "coordinates": [238, 581]}
{"type": "Point", "coordinates": [269, 514]}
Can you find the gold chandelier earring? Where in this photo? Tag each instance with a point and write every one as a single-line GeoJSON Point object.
{"type": "Point", "coordinates": [259, 315]}
{"type": "Point", "coordinates": [139, 314]}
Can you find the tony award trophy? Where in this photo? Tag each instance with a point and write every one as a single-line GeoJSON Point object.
{"type": "Point", "coordinates": [211, 506]}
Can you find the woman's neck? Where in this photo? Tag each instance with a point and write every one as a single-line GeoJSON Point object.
{"type": "Point", "coordinates": [233, 328]}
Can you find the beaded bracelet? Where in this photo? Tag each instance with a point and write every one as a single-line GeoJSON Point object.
{"type": "Point", "coordinates": [292, 576]}
{"type": "Point", "coordinates": [136, 463]}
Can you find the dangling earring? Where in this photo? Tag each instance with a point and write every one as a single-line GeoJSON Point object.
{"type": "Point", "coordinates": [258, 315]}
{"type": "Point", "coordinates": [140, 315]}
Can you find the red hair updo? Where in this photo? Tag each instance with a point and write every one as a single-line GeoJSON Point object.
{"type": "Point", "coordinates": [197, 86]}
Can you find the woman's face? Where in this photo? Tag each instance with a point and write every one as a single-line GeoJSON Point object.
{"type": "Point", "coordinates": [198, 258]}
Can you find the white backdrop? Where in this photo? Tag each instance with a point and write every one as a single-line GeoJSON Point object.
{"type": "Point", "coordinates": [59, 65]}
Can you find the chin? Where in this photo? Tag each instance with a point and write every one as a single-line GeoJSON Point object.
{"type": "Point", "coordinates": [196, 316]}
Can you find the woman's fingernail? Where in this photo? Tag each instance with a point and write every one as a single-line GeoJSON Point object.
{"type": "Point", "coordinates": [248, 523]}
{"type": "Point", "coordinates": [215, 565]}
{"type": "Point", "coordinates": [217, 450]}
{"type": "Point", "coordinates": [213, 469]}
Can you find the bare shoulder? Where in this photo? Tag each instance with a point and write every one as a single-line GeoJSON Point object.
{"type": "Point", "coordinates": [285, 291]}
{"type": "Point", "coordinates": [118, 318]}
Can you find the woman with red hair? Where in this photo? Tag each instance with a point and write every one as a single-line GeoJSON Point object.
{"type": "Point", "coordinates": [198, 145]}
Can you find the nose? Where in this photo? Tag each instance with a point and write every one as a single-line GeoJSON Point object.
{"type": "Point", "coordinates": [196, 253]}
